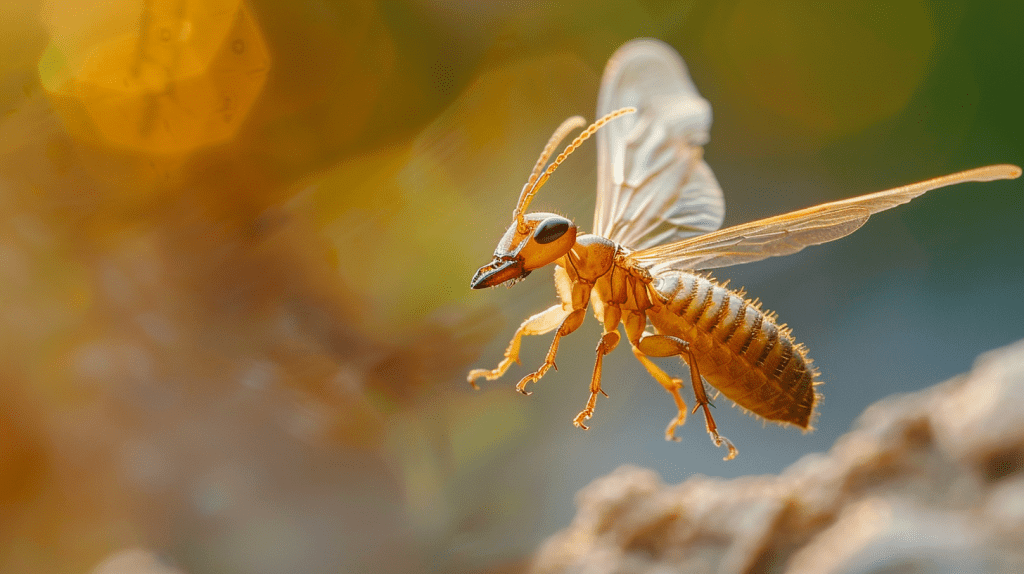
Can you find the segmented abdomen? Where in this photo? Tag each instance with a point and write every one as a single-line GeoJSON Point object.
{"type": "Point", "coordinates": [740, 349]}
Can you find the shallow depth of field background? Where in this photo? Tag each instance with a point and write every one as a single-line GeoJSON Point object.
{"type": "Point", "coordinates": [237, 238]}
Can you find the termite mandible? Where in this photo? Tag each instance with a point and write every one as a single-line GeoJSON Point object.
{"type": "Point", "coordinates": [659, 209]}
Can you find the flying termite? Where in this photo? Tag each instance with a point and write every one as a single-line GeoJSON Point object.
{"type": "Point", "coordinates": [656, 225]}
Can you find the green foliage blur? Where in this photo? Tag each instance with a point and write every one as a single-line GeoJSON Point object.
{"type": "Point", "coordinates": [237, 238]}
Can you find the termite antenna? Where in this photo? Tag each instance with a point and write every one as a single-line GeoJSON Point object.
{"type": "Point", "coordinates": [555, 139]}
{"type": "Point", "coordinates": [537, 179]}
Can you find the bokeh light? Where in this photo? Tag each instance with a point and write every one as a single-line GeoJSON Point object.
{"type": "Point", "coordinates": [158, 76]}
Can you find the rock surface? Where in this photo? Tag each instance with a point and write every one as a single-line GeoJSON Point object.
{"type": "Point", "coordinates": [925, 482]}
{"type": "Point", "coordinates": [134, 561]}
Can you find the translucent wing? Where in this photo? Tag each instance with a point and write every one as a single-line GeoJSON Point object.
{"type": "Point", "coordinates": [789, 233]}
{"type": "Point", "coordinates": [653, 185]}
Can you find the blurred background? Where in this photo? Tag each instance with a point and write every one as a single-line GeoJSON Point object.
{"type": "Point", "coordinates": [237, 238]}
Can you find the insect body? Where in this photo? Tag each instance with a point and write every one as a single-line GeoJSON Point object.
{"type": "Point", "coordinates": [659, 208]}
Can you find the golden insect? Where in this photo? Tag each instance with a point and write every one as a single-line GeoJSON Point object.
{"type": "Point", "coordinates": [659, 209]}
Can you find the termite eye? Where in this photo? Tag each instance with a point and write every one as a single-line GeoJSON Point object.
{"type": "Point", "coordinates": [550, 229]}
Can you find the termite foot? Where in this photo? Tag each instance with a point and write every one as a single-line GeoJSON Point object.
{"type": "Point", "coordinates": [670, 431]}
{"type": "Point", "coordinates": [521, 385]}
{"type": "Point", "coordinates": [718, 440]}
{"type": "Point", "coordinates": [578, 421]}
{"type": "Point", "coordinates": [481, 374]}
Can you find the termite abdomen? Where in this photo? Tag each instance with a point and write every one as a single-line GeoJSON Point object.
{"type": "Point", "coordinates": [740, 350]}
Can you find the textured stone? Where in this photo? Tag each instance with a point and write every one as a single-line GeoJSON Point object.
{"type": "Point", "coordinates": [925, 482]}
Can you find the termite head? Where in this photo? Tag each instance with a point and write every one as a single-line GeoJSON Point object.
{"type": "Point", "coordinates": [536, 239]}
{"type": "Point", "coordinates": [543, 239]}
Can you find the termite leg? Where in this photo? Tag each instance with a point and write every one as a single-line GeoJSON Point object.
{"type": "Point", "coordinates": [635, 323]}
{"type": "Point", "coordinates": [701, 398]}
{"type": "Point", "coordinates": [666, 346]}
{"type": "Point", "coordinates": [672, 385]}
{"type": "Point", "coordinates": [569, 324]}
{"type": "Point", "coordinates": [539, 324]}
{"type": "Point", "coordinates": [609, 340]}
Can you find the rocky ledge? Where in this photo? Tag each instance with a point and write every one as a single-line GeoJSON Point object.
{"type": "Point", "coordinates": [925, 482]}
